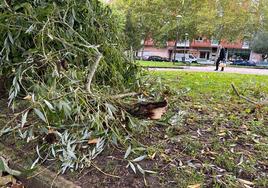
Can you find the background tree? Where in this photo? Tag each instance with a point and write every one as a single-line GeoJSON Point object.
{"type": "Point", "coordinates": [132, 33]}
{"type": "Point", "coordinates": [260, 44]}
{"type": "Point", "coordinates": [226, 19]}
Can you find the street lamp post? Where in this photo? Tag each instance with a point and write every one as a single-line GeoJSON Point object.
{"type": "Point", "coordinates": [177, 36]}
{"type": "Point", "coordinates": [185, 42]}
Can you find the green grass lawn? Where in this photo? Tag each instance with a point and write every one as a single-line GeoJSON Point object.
{"type": "Point", "coordinates": [224, 138]}
{"type": "Point", "coordinates": [214, 84]}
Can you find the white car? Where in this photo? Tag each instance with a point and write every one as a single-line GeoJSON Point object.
{"type": "Point", "coordinates": [189, 58]}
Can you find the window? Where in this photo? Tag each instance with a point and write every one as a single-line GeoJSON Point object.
{"type": "Point", "coordinates": [214, 42]}
{"type": "Point", "coordinates": [199, 39]}
{"type": "Point", "coordinates": [203, 55]}
{"type": "Point", "coordinates": [245, 45]}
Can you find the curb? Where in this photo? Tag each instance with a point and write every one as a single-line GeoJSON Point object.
{"type": "Point", "coordinates": [153, 67]}
{"type": "Point", "coordinates": [44, 177]}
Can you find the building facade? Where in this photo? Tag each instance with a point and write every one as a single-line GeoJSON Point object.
{"type": "Point", "coordinates": [202, 48]}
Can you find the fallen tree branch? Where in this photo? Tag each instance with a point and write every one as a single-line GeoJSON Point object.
{"type": "Point", "coordinates": [91, 73]}
{"type": "Point", "coordinates": [119, 96]}
{"type": "Point", "coordinates": [243, 97]}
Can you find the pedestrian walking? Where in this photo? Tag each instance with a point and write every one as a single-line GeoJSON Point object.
{"type": "Point", "coordinates": [220, 58]}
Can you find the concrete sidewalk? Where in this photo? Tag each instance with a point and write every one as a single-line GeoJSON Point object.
{"type": "Point", "coordinates": [211, 69]}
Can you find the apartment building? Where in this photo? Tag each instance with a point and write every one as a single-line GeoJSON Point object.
{"type": "Point", "coordinates": [201, 47]}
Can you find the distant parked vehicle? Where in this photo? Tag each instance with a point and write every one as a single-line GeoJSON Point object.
{"type": "Point", "coordinates": [157, 58]}
{"type": "Point", "coordinates": [188, 58]}
{"type": "Point", "coordinates": [244, 63]}
{"type": "Point", "coordinates": [145, 57]}
{"type": "Point", "coordinates": [262, 64]}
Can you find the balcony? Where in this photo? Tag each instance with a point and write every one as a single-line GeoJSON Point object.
{"type": "Point", "coordinates": [183, 43]}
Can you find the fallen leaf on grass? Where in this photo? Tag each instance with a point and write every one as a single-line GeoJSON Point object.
{"type": "Point", "coordinates": [222, 134]}
{"type": "Point", "coordinates": [244, 127]}
{"type": "Point", "coordinates": [7, 179]}
{"type": "Point", "coordinates": [246, 182]}
{"type": "Point", "coordinates": [152, 156]}
{"type": "Point", "coordinates": [17, 185]}
{"type": "Point", "coordinates": [157, 113]}
{"type": "Point", "coordinates": [241, 160]}
{"type": "Point", "coordinates": [93, 141]}
{"type": "Point", "coordinates": [4, 168]}
{"type": "Point", "coordinates": [194, 186]}
{"type": "Point", "coordinates": [28, 97]}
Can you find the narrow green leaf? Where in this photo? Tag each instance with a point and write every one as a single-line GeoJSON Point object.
{"type": "Point", "coordinates": [34, 163]}
{"type": "Point", "coordinates": [24, 118]}
{"type": "Point", "coordinates": [138, 159]}
{"type": "Point", "coordinates": [127, 152]}
{"type": "Point", "coordinates": [10, 38]}
{"type": "Point", "coordinates": [132, 167]}
{"type": "Point", "coordinates": [9, 170]}
{"type": "Point", "coordinates": [150, 172]}
{"type": "Point", "coordinates": [50, 36]}
{"type": "Point", "coordinates": [140, 169]}
{"type": "Point", "coordinates": [73, 13]}
{"type": "Point", "coordinates": [2, 166]}
{"type": "Point", "coordinates": [40, 114]}
{"type": "Point", "coordinates": [49, 105]}
{"type": "Point", "coordinates": [30, 29]}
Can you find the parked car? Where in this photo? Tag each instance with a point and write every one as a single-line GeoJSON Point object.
{"type": "Point", "coordinates": [262, 64]}
{"type": "Point", "coordinates": [189, 58]}
{"type": "Point", "coordinates": [244, 63]}
{"type": "Point", "coordinates": [157, 58]}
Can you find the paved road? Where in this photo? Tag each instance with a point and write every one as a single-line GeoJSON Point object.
{"type": "Point", "coordinates": [211, 69]}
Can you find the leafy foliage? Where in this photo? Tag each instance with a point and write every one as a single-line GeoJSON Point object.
{"type": "Point", "coordinates": [226, 19]}
{"type": "Point", "coordinates": [259, 44]}
{"type": "Point", "coordinates": [48, 50]}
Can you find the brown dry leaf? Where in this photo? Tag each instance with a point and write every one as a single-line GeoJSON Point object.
{"type": "Point", "coordinates": [28, 97]}
{"type": "Point", "coordinates": [222, 134]}
{"type": "Point", "coordinates": [7, 179]}
{"type": "Point", "coordinates": [51, 138]}
{"type": "Point", "coordinates": [93, 141]}
{"type": "Point", "coordinates": [144, 93]}
{"type": "Point", "coordinates": [17, 185]}
{"type": "Point", "coordinates": [194, 186]}
{"type": "Point", "coordinates": [246, 182]}
{"type": "Point", "coordinates": [158, 112]}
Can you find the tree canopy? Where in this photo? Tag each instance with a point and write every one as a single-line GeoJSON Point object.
{"type": "Point", "coordinates": [226, 19]}
{"type": "Point", "coordinates": [260, 43]}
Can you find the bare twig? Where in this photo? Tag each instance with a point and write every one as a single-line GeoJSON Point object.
{"type": "Point", "coordinates": [42, 39]}
{"type": "Point", "coordinates": [7, 5]}
{"type": "Point", "coordinates": [111, 175]}
{"type": "Point", "coordinates": [91, 73]}
{"type": "Point", "coordinates": [57, 175]}
{"type": "Point", "coordinates": [243, 97]}
{"type": "Point", "coordinates": [14, 118]}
